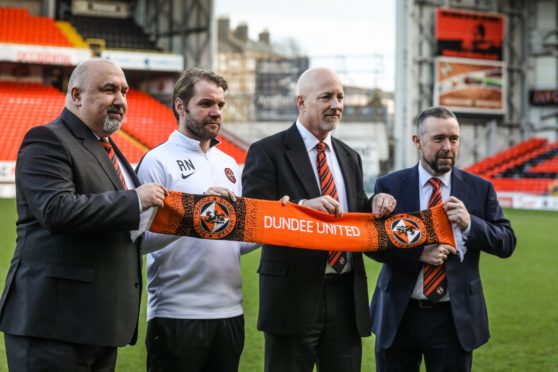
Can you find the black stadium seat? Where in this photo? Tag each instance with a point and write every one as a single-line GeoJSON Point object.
{"type": "Point", "coordinates": [118, 33]}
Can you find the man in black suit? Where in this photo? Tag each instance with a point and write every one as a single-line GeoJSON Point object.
{"type": "Point", "coordinates": [313, 305]}
{"type": "Point", "coordinates": [73, 289]}
{"type": "Point", "coordinates": [429, 301]}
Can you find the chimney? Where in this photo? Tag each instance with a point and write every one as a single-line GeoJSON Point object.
{"type": "Point", "coordinates": [264, 37]}
{"type": "Point", "coordinates": [241, 32]}
{"type": "Point", "coordinates": [223, 28]}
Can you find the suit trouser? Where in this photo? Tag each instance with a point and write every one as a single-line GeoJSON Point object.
{"type": "Point", "coordinates": [425, 330]}
{"type": "Point", "coordinates": [194, 345]}
{"type": "Point", "coordinates": [333, 344]}
{"type": "Point", "coordinates": [32, 354]}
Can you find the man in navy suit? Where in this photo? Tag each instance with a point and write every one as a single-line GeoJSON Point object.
{"type": "Point", "coordinates": [444, 326]}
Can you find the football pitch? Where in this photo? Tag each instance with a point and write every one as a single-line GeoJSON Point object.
{"type": "Point", "coordinates": [521, 293]}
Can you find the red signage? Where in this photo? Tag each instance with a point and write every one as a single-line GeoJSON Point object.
{"type": "Point", "coordinates": [467, 34]}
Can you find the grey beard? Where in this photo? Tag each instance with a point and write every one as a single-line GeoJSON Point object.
{"type": "Point", "coordinates": [111, 125]}
{"type": "Point", "coordinates": [328, 127]}
{"type": "Point", "coordinates": [439, 169]}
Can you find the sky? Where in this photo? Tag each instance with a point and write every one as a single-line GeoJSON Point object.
{"type": "Point", "coordinates": [356, 38]}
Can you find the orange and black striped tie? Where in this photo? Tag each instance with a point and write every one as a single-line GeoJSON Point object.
{"type": "Point", "coordinates": [435, 282]}
{"type": "Point", "coordinates": [112, 156]}
{"type": "Point", "coordinates": [337, 259]}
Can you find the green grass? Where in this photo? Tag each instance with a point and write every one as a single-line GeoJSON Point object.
{"type": "Point", "coordinates": [521, 292]}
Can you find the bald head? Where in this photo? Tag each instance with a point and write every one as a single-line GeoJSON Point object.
{"type": "Point", "coordinates": [97, 95]}
{"type": "Point", "coordinates": [319, 98]}
{"type": "Point", "coordinates": [82, 73]}
{"type": "Point", "coordinates": [311, 76]}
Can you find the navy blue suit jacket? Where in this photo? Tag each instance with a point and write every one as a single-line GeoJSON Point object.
{"type": "Point", "coordinates": [490, 232]}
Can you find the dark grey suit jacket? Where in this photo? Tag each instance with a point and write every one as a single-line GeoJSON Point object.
{"type": "Point", "coordinates": [291, 280]}
{"type": "Point", "coordinates": [490, 232]}
{"type": "Point", "coordinates": [75, 275]}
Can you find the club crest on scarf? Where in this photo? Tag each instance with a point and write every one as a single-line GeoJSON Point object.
{"type": "Point", "coordinates": [248, 220]}
{"type": "Point", "coordinates": [214, 217]}
{"type": "Point", "coordinates": [405, 232]}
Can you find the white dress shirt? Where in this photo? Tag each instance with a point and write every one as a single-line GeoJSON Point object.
{"type": "Point", "coordinates": [425, 192]}
{"type": "Point", "coordinates": [310, 142]}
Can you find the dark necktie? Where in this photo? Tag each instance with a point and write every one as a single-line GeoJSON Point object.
{"type": "Point", "coordinates": [337, 259]}
{"type": "Point", "coordinates": [112, 156]}
{"type": "Point", "coordinates": [435, 283]}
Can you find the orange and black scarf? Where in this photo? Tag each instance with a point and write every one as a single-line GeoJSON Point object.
{"type": "Point", "coordinates": [270, 222]}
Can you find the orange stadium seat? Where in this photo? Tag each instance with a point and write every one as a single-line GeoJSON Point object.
{"type": "Point", "coordinates": [486, 167]}
{"type": "Point", "coordinates": [147, 119]}
{"type": "Point", "coordinates": [148, 122]}
{"type": "Point", "coordinates": [151, 123]}
{"type": "Point", "coordinates": [550, 165]}
{"type": "Point", "coordinates": [25, 105]}
{"type": "Point", "coordinates": [18, 26]}
{"type": "Point", "coordinates": [538, 186]}
{"type": "Point", "coordinates": [512, 170]}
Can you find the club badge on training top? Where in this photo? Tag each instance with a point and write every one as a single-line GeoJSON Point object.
{"type": "Point", "coordinates": [230, 175]}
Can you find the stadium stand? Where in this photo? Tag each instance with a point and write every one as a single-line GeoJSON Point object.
{"type": "Point", "coordinates": [529, 167]}
{"type": "Point", "coordinates": [539, 186]}
{"type": "Point", "coordinates": [147, 119]}
{"type": "Point", "coordinates": [18, 26]}
{"type": "Point", "coordinates": [71, 34]}
{"type": "Point", "coordinates": [25, 105]}
{"type": "Point", "coordinates": [548, 161]}
{"type": "Point", "coordinates": [548, 166]}
{"type": "Point", "coordinates": [148, 122]}
{"type": "Point", "coordinates": [500, 159]}
{"type": "Point", "coordinates": [117, 33]}
{"type": "Point", "coordinates": [151, 122]}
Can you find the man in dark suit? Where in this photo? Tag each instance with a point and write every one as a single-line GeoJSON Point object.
{"type": "Point", "coordinates": [73, 289]}
{"type": "Point", "coordinates": [313, 305]}
{"type": "Point", "coordinates": [429, 301]}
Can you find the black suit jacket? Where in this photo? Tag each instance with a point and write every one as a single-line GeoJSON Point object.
{"type": "Point", "coordinates": [75, 275]}
{"type": "Point", "coordinates": [291, 280]}
{"type": "Point", "coordinates": [490, 232]}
